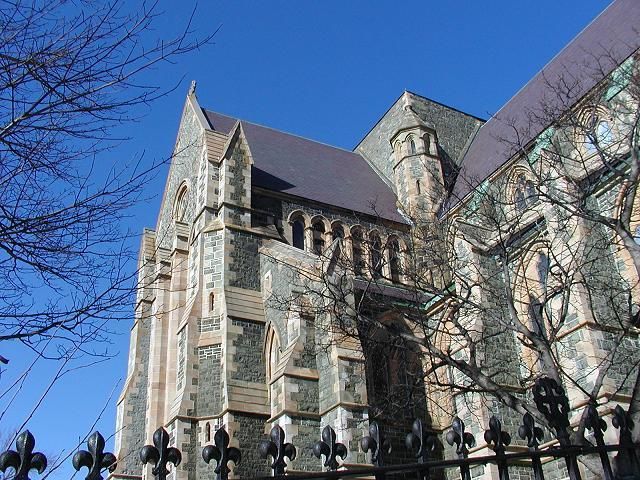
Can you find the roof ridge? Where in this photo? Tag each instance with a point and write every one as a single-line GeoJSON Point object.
{"type": "Point", "coordinates": [287, 133]}
{"type": "Point", "coordinates": [455, 109]}
{"type": "Point", "coordinates": [483, 120]}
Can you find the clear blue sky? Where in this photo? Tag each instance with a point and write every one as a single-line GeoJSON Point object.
{"type": "Point", "coordinates": [326, 70]}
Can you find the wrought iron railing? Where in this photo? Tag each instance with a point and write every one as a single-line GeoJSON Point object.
{"type": "Point", "coordinates": [549, 397]}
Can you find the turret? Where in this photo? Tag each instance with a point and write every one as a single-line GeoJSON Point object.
{"type": "Point", "coordinates": [417, 167]}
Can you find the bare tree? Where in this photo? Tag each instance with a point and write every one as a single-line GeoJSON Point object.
{"type": "Point", "coordinates": [71, 73]}
{"type": "Point", "coordinates": [536, 274]}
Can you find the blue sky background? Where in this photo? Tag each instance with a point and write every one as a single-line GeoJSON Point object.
{"type": "Point", "coordinates": [326, 70]}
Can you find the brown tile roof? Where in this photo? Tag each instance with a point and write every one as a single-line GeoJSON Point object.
{"type": "Point", "coordinates": [599, 48]}
{"type": "Point", "coordinates": [298, 166]}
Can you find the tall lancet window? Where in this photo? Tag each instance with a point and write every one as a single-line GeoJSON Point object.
{"type": "Point", "coordinates": [298, 234]}
{"type": "Point", "coordinates": [180, 209]}
{"type": "Point", "coordinates": [412, 146]}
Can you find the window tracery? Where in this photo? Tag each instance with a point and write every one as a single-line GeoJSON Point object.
{"type": "Point", "coordinates": [525, 194]}
{"type": "Point", "coordinates": [600, 136]}
{"type": "Point", "coordinates": [394, 374]}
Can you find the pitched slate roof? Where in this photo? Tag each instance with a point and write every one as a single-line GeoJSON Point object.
{"type": "Point", "coordinates": [599, 48]}
{"type": "Point", "coordinates": [298, 166]}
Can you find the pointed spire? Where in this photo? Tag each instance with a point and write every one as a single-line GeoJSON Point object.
{"type": "Point", "coordinates": [409, 118]}
{"type": "Point", "coordinates": [192, 88]}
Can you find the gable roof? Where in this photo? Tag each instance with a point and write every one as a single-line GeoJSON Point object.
{"type": "Point", "coordinates": [605, 43]}
{"type": "Point", "coordinates": [290, 164]}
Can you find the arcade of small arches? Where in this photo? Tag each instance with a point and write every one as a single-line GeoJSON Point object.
{"type": "Point", "coordinates": [369, 252]}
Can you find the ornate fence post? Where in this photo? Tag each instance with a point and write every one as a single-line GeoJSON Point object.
{"type": "Point", "coordinates": [500, 440]}
{"type": "Point", "coordinates": [330, 448]}
{"type": "Point", "coordinates": [222, 454]}
{"type": "Point", "coordinates": [278, 449]}
{"type": "Point", "coordinates": [554, 405]}
{"type": "Point", "coordinates": [378, 445]}
{"type": "Point", "coordinates": [23, 460]}
{"type": "Point", "coordinates": [462, 440]}
{"type": "Point", "coordinates": [94, 458]}
{"type": "Point", "coordinates": [533, 435]}
{"type": "Point", "coordinates": [424, 442]}
{"type": "Point", "coordinates": [599, 426]}
{"type": "Point", "coordinates": [627, 465]}
{"type": "Point", "coordinates": [160, 454]}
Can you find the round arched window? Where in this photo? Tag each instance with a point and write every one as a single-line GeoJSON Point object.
{"type": "Point", "coordinates": [412, 146]}
{"type": "Point", "coordinates": [180, 209]}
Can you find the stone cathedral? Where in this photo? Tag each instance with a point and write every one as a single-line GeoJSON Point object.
{"type": "Point", "coordinates": [226, 331]}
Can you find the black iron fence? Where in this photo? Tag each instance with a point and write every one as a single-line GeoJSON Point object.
{"type": "Point", "coordinates": [549, 397]}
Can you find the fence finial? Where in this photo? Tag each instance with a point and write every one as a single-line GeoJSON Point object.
{"type": "Point", "coordinates": [95, 459]}
{"type": "Point", "coordinates": [552, 402]}
{"type": "Point", "coordinates": [222, 454]}
{"type": "Point", "coordinates": [462, 440]}
{"type": "Point", "coordinates": [421, 440]}
{"type": "Point", "coordinates": [376, 443]}
{"type": "Point", "coordinates": [499, 440]}
{"type": "Point", "coordinates": [23, 460]}
{"type": "Point", "coordinates": [627, 459]}
{"type": "Point", "coordinates": [599, 426]}
{"type": "Point", "coordinates": [278, 449]}
{"type": "Point", "coordinates": [534, 436]}
{"type": "Point", "coordinates": [554, 405]}
{"type": "Point", "coordinates": [160, 454]}
{"type": "Point", "coordinates": [330, 448]}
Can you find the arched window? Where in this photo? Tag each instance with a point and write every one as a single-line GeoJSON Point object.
{"type": "Point", "coordinates": [394, 260]}
{"type": "Point", "coordinates": [599, 134]}
{"type": "Point", "coordinates": [394, 375]}
{"type": "Point", "coordinates": [207, 432]}
{"type": "Point", "coordinates": [337, 231]}
{"type": "Point", "coordinates": [398, 150]}
{"type": "Point", "coordinates": [180, 208]}
{"type": "Point", "coordinates": [412, 146]}
{"type": "Point", "coordinates": [297, 230]}
{"type": "Point", "coordinates": [358, 253]}
{"type": "Point", "coordinates": [418, 187]}
{"type": "Point", "coordinates": [426, 140]}
{"type": "Point", "coordinates": [273, 353]}
{"type": "Point", "coordinates": [543, 269]}
{"type": "Point", "coordinates": [212, 301]}
{"type": "Point", "coordinates": [375, 255]}
{"type": "Point", "coordinates": [525, 193]}
{"type": "Point", "coordinates": [318, 237]}
{"type": "Point", "coordinates": [538, 303]}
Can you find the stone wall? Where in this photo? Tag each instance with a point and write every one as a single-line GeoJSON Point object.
{"type": "Point", "coordinates": [184, 166]}
{"type": "Point", "coordinates": [210, 397]}
{"type": "Point", "coordinates": [243, 260]}
{"type": "Point", "coordinates": [452, 127]}
{"type": "Point", "coordinates": [135, 405]}
{"type": "Point", "coordinates": [248, 431]}
{"type": "Point", "coordinates": [248, 358]}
